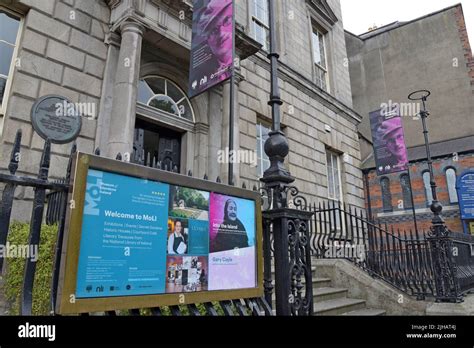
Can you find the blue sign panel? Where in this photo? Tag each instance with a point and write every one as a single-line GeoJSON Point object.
{"type": "Point", "coordinates": [144, 237]}
{"type": "Point", "coordinates": [124, 236]}
{"type": "Point", "coordinates": [465, 188]}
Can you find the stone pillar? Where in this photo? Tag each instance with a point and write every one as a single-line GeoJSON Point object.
{"type": "Point", "coordinates": [107, 97]}
{"type": "Point", "coordinates": [122, 122]}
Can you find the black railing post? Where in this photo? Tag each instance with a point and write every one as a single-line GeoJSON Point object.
{"type": "Point", "coordinates": [35, 231]}
{"type": "Point", "coordinates": [290, 227]}
{"type": "Point", "coordinates": [8, 194]}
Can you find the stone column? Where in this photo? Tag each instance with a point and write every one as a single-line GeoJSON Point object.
{"type": "Point", "coordinates": [122, 122]}
{"type": "Point", "coordinates": [107, 97]}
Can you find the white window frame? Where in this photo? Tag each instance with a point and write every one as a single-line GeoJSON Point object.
{"type": "Point", "coordinates": [341, 228]}
{"type": "Point", "coordinates": [4, 104]}
{"type": "Point", "coordinates": [258, 21]}
{"type": "Point", "coordinates": [452, 193]}
{"type": "Point", "coordinates": [338, 159]}
{"type": "Point", "coordinates": [323, 35]}
{"type": "Point", "coordinates": [427, 187]}
{"type": "Point", "coordinates": [261, 144]}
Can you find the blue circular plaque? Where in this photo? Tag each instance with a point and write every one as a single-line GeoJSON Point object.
{"type": "Point", "coordinates": [56, 118]}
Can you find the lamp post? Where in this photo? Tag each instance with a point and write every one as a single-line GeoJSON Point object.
{"type": "Point", "coordinates": [447, 288]}
{"type": "Point", "coordinates": [290, 227]}
{"type": "Point", "coordinates": [438, 226]}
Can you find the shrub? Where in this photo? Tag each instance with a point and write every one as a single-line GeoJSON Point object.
{"type": "Point", "coordinates": [18, 235]}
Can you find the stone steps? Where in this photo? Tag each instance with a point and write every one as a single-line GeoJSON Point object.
{"type": "Point", "coordinates": [338, 306]}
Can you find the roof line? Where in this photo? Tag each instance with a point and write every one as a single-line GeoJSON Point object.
{"type": "Point", "coordinates": [401, 23]}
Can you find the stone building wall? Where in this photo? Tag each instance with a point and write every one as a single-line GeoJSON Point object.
{"type": "Point", "coordinates": [66, 48]}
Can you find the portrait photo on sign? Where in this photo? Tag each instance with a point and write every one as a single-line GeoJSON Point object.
{"type": "Point", "coordinates": [186, 274]}
{"type": "Point", "coordinates": [388, 141]}
{"type": "Point", "coordinates": [178, 236]}
{"type": "Point", "coordinates": [232, 223]}
{"type": "Point", "coordinates": [211, 47]}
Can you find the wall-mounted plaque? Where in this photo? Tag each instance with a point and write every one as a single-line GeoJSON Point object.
{"type": "Point", "coordinates": [56, 118]}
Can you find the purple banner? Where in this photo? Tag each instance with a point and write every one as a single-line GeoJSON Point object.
{"type": "Point", "coordinates": [390, 151]}
{"type": "Point", "coordinates": [211, 46]}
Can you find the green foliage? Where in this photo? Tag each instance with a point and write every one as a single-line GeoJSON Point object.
{"type": "Point", "coordinates": [18, 235]}
{"type": "Point", "coordinates": [192, 198]}
{"type": "Point", "coordinates": [181, 214]}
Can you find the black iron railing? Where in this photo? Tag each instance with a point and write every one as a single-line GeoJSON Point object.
{"type": "Point", "coordinates": [404, 259]}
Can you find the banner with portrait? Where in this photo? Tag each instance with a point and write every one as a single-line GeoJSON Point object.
{"type": "Point", "coordinates": [388, 139]}
{"type": "Point", "coordinates": [211, 45]}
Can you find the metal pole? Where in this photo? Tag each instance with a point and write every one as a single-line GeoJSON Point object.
{"type": "Point", "coordinates": [369, 200]}
{"type": "Point", "coordinates": [435, 203]}
{"type": "Point", "coordinates": [231, 104]}
{"type": "Point", "coordinates": [412, 199]}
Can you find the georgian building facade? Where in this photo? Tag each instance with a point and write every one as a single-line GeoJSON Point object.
{"type": "Point", "coordinates": [128, 60]}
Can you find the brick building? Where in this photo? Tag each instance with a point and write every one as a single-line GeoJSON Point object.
{"type": "Point", "coordinates": [386, 64]}
{"type": "Point", "coordinates": [78, 49]}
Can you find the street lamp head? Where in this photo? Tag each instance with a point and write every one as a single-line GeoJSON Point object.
{"type": "Point", "coordinates": [421, 94]}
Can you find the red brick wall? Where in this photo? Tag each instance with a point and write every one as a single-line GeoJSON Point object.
{"type": "Point", "coordinates": [405, 221]}
{"type": "Point", "coordinates": [465, 43]}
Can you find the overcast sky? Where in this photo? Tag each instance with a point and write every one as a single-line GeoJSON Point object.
{"type": "Point", "coordinates": [359, 15]}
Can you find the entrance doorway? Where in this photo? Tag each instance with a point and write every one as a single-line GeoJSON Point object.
{"type": "Point", "coordinates": [156, 146]}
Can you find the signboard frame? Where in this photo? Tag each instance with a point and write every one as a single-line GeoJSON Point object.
{"type": "Point", "coordinates": [67, 303]}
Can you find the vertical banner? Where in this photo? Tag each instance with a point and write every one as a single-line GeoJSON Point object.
{"type": "Point", "coordinates": [388, 139]}
{"type": "Point", "coordinates": [211, 46]}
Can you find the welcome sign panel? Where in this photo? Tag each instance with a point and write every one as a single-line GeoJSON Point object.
{"type": "Point", "coordinates": [144, 236]}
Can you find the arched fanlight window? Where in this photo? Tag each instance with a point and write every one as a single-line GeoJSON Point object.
{"type": "Point", "coordinates": [427, 184]}
{"type": "Point", "coordinates": [386, 194]}
{"type": "Point", "coordinates": [164, 95]}
{"type": "Point", "coordinates": [451, 185]}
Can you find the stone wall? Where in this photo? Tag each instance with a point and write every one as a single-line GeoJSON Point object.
{"type": "Point", "coordinates": [61, 51]}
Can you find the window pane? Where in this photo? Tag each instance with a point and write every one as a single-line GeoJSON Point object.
{"type": "Point", "coordinates": [322, 51]}
{"type": "Point", "coordinates": [3, 83]}
{"type": "Point", "coordinates": [316, 48]}
{"type": "Point", "coordinates": [174, 92]}
{"type": "Point", "coordinates": [406, 191]}
{"type": "Point", "coordinates": [8, 28]}
{"type": "Point", "coordinates": [426, 182]}
{"type": "Point", "coordinates": [261, 11]}
{"type": "Point", "coordinates": [185, 110]}
{"type": "Point", "coordinates": [337, 178]}
{"type": "Point", "coordinates": [164, 103]}
{"type": "Point", "coordinates": [157, 85]}
{"type": "Point", "coordinates": [144, 92]}
{"type": "Point", "coordinates": [263, 162]}
{"type": "Point", "coordinates": [6, 54]}
{"type": "Point", "coordinates": [386, 194]}
{"type": "Point", "coordinates": [451, 182]}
